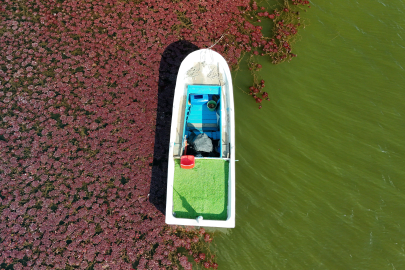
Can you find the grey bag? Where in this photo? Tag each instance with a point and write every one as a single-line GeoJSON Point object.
{"type": "Point", "coordinates": [202, 143]}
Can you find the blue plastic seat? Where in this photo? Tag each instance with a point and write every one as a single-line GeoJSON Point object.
{"type": "Point", "coordinates": [199, 119]}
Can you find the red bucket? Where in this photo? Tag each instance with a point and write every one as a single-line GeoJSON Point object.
{"type": "Point", "coordinates": [187, 161]}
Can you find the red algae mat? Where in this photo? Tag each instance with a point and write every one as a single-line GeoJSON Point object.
{"type": "Point", "coordinates": [79, 88]}
{"type": "Point", "coordinates": [86, 91]}
{"type": "Point", "coordinates": [201, 191]}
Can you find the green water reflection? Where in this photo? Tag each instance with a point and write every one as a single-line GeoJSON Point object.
{"type": "Point", "coordinates": [320, 177]}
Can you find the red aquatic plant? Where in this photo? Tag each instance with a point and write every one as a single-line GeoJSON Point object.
{"type": "Point", "coordinates": [277, 45]}
{"type": "Point", "coordinates": [78, 100]}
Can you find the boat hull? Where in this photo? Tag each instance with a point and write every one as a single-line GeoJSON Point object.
{"type": "Point", "coordinates": [203, 67]}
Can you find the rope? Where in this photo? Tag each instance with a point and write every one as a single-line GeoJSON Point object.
{"type": "Point", "coordinates": [193, 72]}
{"type": "Point", "coordinates": [213, 74]}
{"type": "Point", "coordinates": [217, 41]}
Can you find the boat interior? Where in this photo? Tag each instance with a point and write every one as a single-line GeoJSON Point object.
{"type": "Point", "coordinates": [203, 116]}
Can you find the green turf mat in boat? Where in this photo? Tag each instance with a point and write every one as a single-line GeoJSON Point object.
{"type": "Point", "coordinates": [201, 191]}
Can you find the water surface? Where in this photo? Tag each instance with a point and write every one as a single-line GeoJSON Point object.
{"type": "Point", "coordinates": [320, 177]}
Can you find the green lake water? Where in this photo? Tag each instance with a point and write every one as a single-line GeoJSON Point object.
{"type": "Point", "coordinates": [320, 181]}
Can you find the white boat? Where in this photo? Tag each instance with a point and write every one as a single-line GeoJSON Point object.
{"type": "Point", "coordinates": [203, 195]}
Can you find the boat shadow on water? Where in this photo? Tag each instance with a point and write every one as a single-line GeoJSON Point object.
{"type": "Point", "coordinates": [172, 57]}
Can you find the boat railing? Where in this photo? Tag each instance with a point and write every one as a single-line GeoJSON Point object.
{"type": "Point", "coordinates": [179, 157]}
